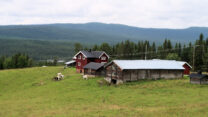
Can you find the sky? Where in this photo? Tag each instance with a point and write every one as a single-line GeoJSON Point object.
{"type": "Point", "coordinates": [139, 13]}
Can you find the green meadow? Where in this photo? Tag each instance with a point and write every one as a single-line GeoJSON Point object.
{"type": "Point", "coordinates": [31, 92]}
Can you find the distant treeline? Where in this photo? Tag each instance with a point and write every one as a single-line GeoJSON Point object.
{"type": "Point", "coordinates": [194, 53]}
{"type": "Point", "coordinates": [20, 60]}
{"type": "Point", "coordinates": [16, 61]}
{"type": "Point", "coordinates": [37, 49]}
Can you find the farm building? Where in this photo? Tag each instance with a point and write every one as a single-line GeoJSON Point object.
{"type": "Point", "coordinates": [82, 58]}
{"type": "Point", "coordinates": [71, 63]}
{"type": "Point", "coordinates": [198, 78]}
{"type": "Point", "coordinates": [133, 70]}
{"type": "Point", "coordinates": [187, 67]}
{"type": "Point", "coordinates": [94, 69]}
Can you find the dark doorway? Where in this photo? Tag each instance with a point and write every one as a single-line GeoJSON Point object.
{"type": "Point", "coordinates": [113, 81]}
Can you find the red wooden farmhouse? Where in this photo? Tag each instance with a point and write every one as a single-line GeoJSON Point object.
{"type": "Point", "coordinates": [84, 57]}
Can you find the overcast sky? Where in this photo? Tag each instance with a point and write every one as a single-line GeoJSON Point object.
{"type": "Point", "coordinates": [140, 13]}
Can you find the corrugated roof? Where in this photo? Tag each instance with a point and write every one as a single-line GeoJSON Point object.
{"type": "Point", "coordinates": [180, 62]}
{"type": "Point", "coordinates": [70, 62]}
{"type": "Point", "coordinates": [91, 54]}
{"type": "Point", "coordinates": [148, 64]}
{"type": "Point", "coordinates": [87, 54]}
{"type": "Point", "coordinates": [93, 65]}
{"type": "Point", "coordinates": [183, 62]}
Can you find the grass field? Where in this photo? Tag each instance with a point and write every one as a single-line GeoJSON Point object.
{"type": "Point", "coordinates": [32, 93]}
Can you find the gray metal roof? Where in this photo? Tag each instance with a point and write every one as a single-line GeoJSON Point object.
{"type": "Point", "coordinates": [180, 62]}
{"type": "Point", "coordinates": [92, 54]}
{"type": "Point", "coordinates": [70, 62]}
{"type": "Point", "coordinates": [93, 65]}
{"type": "Point", "coordinates": [148, 64]}
{"type": "Point", "coordinates": [183, 62]}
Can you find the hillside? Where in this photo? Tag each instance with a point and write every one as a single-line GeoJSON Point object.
{"type": "Point", "coordinates": [31, 92]}
{"type": "Point", "coordinates": [37, 49]}
{"type": "Point", "coordinates": [99, 32]}
{"type": "Point", "coordinates": [50, 40]}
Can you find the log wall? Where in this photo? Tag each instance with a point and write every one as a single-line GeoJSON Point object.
{"type": "Point", "coordinates": [114, 72]}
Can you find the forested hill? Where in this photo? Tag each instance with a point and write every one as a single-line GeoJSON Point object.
{"type": "Point", "coordinates": [99, 32]}
{"type": "Point", "coordinates": [37, 49]}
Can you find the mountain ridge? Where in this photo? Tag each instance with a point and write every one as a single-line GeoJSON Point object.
{"type": "Point", "coordinates": [95, 32]}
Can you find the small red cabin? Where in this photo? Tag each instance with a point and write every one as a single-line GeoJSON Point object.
{"type": "Point", "coordinates": [187, 67]}
{"type": "Point", "coordinates": [84, 57]}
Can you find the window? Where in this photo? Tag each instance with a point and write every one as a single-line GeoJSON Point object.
{"type": "Point", "coordinates": [79, 64]}
{"type": "Point", "coordinates": [83, 58]}
{"type": "Point", "coordinates": [103, 58]}
{"type": "Point", "coordinates": [79, 57]}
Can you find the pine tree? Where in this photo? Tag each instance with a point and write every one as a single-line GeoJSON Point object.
{"type": "Point", "coordinates": [179, 50]}
{"type": "Point", "coordinates": [2, 59]}
{"type": "Point", "coordinates": [120, 50]}
{"type": "Point", "coordinates": [173, 56]}
{"type": "Point", "coordinates": [205, 61]}
{"type": "Point", "coordinates": [153, 54]}
{"type": "Point", "coordinates": [77, 47]}
{"type": "Point", "coordinates": [185, 54]}
{"type": "Point", "coordinates": [199, 53]}
{"type": "Point", "coordinates": [8, 63]}
{"type": "Point", "coordinates": [106, 47]}
{"type": "Point", "coordinates": [95, 48]}
{"type": "Point", "coordinates": [160, 53]}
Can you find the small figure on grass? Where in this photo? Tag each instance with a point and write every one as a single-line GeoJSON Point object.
{"type": "Point", "coordinates": [59, 76]}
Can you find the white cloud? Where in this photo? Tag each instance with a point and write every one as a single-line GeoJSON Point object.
{"type": "Point", "coordinates": [148, 13]}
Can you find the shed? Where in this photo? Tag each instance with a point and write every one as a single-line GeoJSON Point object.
{"type": "Point", "coordinates": [94, 69]}
{"type": "Point", "coordinates": [71, 63]}
{"type": "Point", "coordinates": [133, 70]}
{"type": "Point", "coordinates": [198, 79]}
{"type": "Point", "coordinates": [187, 67]}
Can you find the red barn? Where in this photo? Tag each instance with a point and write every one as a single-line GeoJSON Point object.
{"type": "Point", "coordinates": [84, 57]}
{"type": "Point", "coordinates": [186, 66]}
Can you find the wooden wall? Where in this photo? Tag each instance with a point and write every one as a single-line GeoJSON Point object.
{"type": "Point", "coordinates": [100, 72]}
{"type": "Point", "coordinates": [114, 72]}
{"type": "Point", "coordinates": [199, 81]}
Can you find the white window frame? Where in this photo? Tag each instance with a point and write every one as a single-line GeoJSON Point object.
{"type": "Point", "coordinates": [79, 63]}
{"type": "Point", "coordinates": [103, 58]}
{"type": "Point", "coordinates": [79, 56]}
{"type": "Point", "coordinates": [83, 58]}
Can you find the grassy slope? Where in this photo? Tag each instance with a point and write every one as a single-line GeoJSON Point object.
{"type": "Point", "coordinates": [31, 93]}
